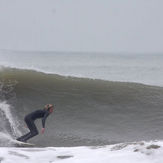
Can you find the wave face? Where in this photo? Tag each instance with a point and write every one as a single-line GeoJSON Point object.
{"type": "Point", "coordinates": [87, 111]}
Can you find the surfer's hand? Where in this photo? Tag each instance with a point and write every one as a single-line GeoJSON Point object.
{"type": "Point", "coordinates": [42, 130]}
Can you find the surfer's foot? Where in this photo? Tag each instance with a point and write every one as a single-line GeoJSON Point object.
{"type": "Point", "coordinates": [21, 140]}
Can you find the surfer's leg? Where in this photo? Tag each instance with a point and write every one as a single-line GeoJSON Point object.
{"type": "Point", "coordinates": [27, 121]}
{"type": "Point", "coordinates": [22, 137]}
{"type": "Point", "coordinates": [33, 130]}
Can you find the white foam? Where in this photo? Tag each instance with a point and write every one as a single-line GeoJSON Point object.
{"type": "Point", "coordinates": [4, 136]}
{"type": "Point", "coordinates": [5, 108]}
{"type": "Point", "coordinates": [142, 152]}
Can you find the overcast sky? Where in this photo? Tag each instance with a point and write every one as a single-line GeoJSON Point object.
{"type": "Point", "coordinates": [132, 26]}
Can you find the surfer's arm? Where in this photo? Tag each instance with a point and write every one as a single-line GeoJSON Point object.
{"type": "Point", "coordinates": [42, 130]}
{"type": "Point", "coordinates": [44, 119]}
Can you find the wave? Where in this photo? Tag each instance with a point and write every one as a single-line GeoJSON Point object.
{"type": "Point", "coordinates": [145, 69]}
{"type": "Point", "coordinates": [87, 111]}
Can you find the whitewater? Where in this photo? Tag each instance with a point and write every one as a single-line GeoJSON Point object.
{"type": "Point", "coordinates": [142, 152]}
{"type": "Point", "coordinates": [109, 107]}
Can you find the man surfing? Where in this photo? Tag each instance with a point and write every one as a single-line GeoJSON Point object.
{"type": "Point", "coordinates": [30, 118]}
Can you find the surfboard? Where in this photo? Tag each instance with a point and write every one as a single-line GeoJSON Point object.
{"type": "Point", "coordinates": [22, 144]}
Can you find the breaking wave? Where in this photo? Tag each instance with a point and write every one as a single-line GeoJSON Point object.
{"type": "Point", "coordinates": [87, 111]}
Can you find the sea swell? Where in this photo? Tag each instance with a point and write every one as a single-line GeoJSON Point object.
{"type": "Point", "coordinates": [146, 69]}
{"type": "Point", "coordinates": [87, 111]}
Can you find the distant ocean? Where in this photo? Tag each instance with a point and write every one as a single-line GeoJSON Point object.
{"type": "Point", "coordinates": [100, 98]}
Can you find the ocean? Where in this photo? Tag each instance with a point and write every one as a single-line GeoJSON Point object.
{"type": "Point", "coordinates": [100, 99]}
{"type": "Point", "coordinates": [139, 68]}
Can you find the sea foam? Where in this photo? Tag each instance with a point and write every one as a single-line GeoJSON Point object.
{"type": "Point", "coordinates": [142, 152]}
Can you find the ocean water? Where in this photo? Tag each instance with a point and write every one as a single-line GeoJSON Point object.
{"type": "Point", "coordinates": [147, 69]}
{"type": "Point", "coordinates": [100, 99]}
{"type": "Point", "coordinates": [94, 106]}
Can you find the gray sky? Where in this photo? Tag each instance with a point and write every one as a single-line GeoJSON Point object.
{"type": "Point", "coordinates": [82, 25]}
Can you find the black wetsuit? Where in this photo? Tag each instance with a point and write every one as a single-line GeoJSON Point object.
{"type": "Point", "coordinates": [29, 119]}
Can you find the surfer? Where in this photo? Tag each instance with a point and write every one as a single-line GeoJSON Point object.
{"type": "Point", "coordinates": [30, 118]}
